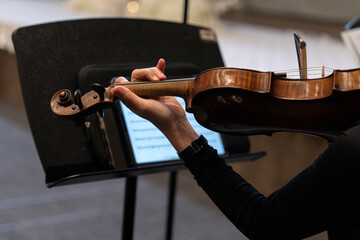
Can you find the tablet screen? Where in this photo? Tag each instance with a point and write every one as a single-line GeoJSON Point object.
{"type": "Point", "coordinates": [150, 145]}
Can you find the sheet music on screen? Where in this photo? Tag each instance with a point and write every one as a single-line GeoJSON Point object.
{"type": "Point", "coordinates": [150, 145]}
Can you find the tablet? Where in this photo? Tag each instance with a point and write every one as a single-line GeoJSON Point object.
{"type": "Point", "coordinates": [149, 145]}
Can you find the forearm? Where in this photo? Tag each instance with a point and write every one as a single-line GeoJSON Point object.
{"type": "Point", "coordinates": [291, 212]}
{"type": "Point", "coordinates": [220, 182]}
{"type": "Point", "coordinates": [180, 134]}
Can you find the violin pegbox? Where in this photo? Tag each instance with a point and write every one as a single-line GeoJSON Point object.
{"type": "Point", "coordinates": [99, 89]}
{"type": "Point", "coordinates": [64, 104]}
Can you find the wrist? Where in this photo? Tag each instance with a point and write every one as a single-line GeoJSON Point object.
{"type": "Point", "coordinates": [195, 147]}
{"type": "Point", "coordinates": [181, 135]}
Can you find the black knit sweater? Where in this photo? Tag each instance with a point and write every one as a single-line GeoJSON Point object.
{"type": "Point", "coordinates": [322, 197]}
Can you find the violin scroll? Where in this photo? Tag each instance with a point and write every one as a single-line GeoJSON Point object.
{"type": "Point", "coordinates": [64, 104]}
{"type": "Point", "coordinates": [65, 98]}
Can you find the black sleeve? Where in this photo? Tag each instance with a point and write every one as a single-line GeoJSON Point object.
{"type": "Point", "coordinates": [310, 203]}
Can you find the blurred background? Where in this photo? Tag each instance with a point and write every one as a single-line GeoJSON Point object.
{"type": "Point", "coordinates": [255, 34]}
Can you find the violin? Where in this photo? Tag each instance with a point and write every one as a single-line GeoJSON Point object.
{"type": "Point", "coordinates": [243, 101]}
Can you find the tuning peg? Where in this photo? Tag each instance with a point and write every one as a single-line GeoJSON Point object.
{"type": "Point", "coordinates": [99, 90]}
{"type": "Point", "coordinates": [77, 98]}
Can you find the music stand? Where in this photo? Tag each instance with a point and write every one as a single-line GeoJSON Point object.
{"type": "Point", "coordinates": [50, 57]}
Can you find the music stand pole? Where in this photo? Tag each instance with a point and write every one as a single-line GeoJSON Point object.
{"type": "Point", "coordinates": [129, 208]}
{"type": "Point", "coordinates": [171, 204]}
{"type": "Point", "coordinates": [185, 11]}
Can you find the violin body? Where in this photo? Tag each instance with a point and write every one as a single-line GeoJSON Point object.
{"type": "Point", "coordinates": [247, 102]}
{"type": "Point", "coordinates": [268, 103]}
{"type": "Point", "coordinates": [235, 111]}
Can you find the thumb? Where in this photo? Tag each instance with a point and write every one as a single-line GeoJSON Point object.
{"type": "Point", "coordinates": [130, 99]}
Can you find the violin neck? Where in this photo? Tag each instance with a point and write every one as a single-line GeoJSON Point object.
{"type": "Point", "coordinates": [176, 87]}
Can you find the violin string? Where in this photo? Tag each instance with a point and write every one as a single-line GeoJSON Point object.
{"type": "Point", "coordinates": [297, 75]}
{"type": "Point", "coordinates": [146, 82]}
{"type": "Point", "coordinates": [294, 73]}
{"type": "Point", "coordinates": [308, 69]}
{"type": "Point", "coordinates": [308, 73]}
{"type": "Point", "coordinates": [312, 71]}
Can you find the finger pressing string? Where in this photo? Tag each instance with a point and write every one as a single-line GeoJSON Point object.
{"type": "Point", "coordinates": [161, 65]}
{"type": "Point", "coordinates": [156, 74]}
{"type": "Point", "coordinates": [120, 80]}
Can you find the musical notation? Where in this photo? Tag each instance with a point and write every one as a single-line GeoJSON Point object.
{"type": "Point", "coordinates": [150, 145]}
